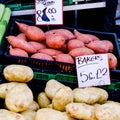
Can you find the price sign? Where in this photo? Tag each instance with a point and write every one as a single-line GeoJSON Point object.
{"type": "Point", "coordinates": [48, 12]}
{"type": "Point", "coordinates": [92, 70]}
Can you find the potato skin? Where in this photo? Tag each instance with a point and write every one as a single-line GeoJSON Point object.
{"type": "Point", "coordinates": [52, 86]}
{"type": "Point", "coordinates": [9, 115]}
{"type": "Point", "coordinates": [106, 110]}
{"type": "Point", "coordinates": [62, 97]}
{"type": "Point", "coordinates": [19, 98]}
{"type": "Point", "coordinates": [5, 87]}
{"type": "Point", "coordinates": [18, 73]}
{"type": "Point", "coordinates": [43, 100]}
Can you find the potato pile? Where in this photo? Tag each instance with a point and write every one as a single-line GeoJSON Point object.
{"type": "Point", "coordinates": [55, 102]}
{"type": "Point", "coordinates": [59, 45]}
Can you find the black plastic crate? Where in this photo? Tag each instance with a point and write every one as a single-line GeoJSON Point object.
{"type": "Point", "coordinates": [44, 65]}
{"type": "Point", "coordinates": [50, 65]}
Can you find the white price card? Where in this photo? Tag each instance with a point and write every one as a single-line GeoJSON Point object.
{"type": "Point", "coordinates": [49, 12]}
{"type": "Point", "coordinates": [92, 70]}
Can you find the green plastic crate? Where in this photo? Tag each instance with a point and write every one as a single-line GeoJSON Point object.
{"type": "Point", "coordinates": [59, 77]}
{"type": "Point", "coordinates": [1, 68]}
{"type": "Point", "coordinates": [25, 6]}
{"type": "Point", "coordinates": [68, 2]}
{"type": "Point", "coordinates": [19, 6]}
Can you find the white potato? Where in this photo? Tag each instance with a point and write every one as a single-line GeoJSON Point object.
{"type": "Point", "coordinates": [19, 98]}
{"type": "Point", "coordinates": [50, 114]}
{"type": "Point", "coordinates": [29, 114]}
{"type": "Point", "coordinates": [43, 100]}
{"type": "Point", "coordinates": [90, 95]}
{"type": "Point", "coordinates": [18, 73]}
{"type": "Point", "coordinates": [68, 116]}
{"type": "Point", "coordinates": [5, 87]}
{"type": "Point", "coordinates": [62, 97]}
{"type": "Point", "coordinates": [52, 86]}
{"type": "Point", "coordinates": [81, 111]}
{"type": "Point", "coordinates": [9, 115]}
{"type": "Point", "coordinates": [108, 111]}
{"type": "Point", "coordinates": [34, 106]}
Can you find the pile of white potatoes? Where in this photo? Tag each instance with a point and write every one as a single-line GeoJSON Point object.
{"type": "Point", "coordinates": [56, 101]}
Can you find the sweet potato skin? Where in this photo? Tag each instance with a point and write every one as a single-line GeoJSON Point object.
{"type": "Point", "coordinates": [17, 52]}
{"type": "Point", "coordinates": [112, 61]}
{"type": "Point", "coordinates": [22, 36]}
{"type": "Point", "coordinates": [98, 46]}
{"type": "Point", "coordinates": [64, 58]}
{"type": "Point", "coordinates": [42, 56]}
{"type": "Point", "coordinates": [74, 43]}
{"type": "Point", "coordinates": [19, 43]}
{"type": "Point", "coordinates": [50, 51]}
{"type": "Point", "coordinates": [21, 26]}
{"type": "Point", "coordinates": [68, 35]}
{"type": "Point", "coordinates": [81, 51]}
{"type": "Point", "coordinates": [37, 45]}
{"type": "Point", "coordinates": [35, 33]}
{"type": "Point", "coordinates": [86, 38]}
{"type": "Point", "coordinates": [55, 41]}
{"type": "Point", "coordinates": [109, 45]}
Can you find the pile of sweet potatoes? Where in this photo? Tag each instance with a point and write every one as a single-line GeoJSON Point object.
{"type": "Point", "coordinates": [60, 45]}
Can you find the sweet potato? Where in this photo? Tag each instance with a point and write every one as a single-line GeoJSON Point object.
{"type": "Point", "coordinates": [37, 45]}
{"type": "Point", "coordinates": [98, 46]}
{"type": "Point", "coordinates": [74, 43]}
{"type": "Point", "coordinates": [51, 32]}
{"type": "Point", "coordinates": [109, 44]}
{"type": "Point", "coordinates": [17, 52]}
{"type": "Point", "coordinates": [61, 31]}
{"type": "Point", "coordinates": [81, 51]}
{"type": "Point", "coordinates": [22, 26]}
{"type": "Point", "coordinates": [66, 33]}
{"type": "Point", "coordinates": [42, 56]}
{"type": "Point", "coordinates": [112, 61]}
{"type": "Point", "coordinates": [22, 36]}
{"type": "Point", "coordinates": [50, 51]}
{"type": "Point", "coordinates": [35, 33]}
{"type": "Point", "coordinates": [22, 44]}
{"type": "Point", "coordinates": [55, 41]}
{"type": "Point", "coordinates": [86, 38]}
{"type": "Point", "coordinates": [64, 48]}
{"type": "Point", "coordinates": [64, 58]}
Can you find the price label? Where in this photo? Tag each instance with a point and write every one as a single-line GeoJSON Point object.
{"type": "Point", "coordinates": [92, 70]}
{"type": "Point", "coordinates": [48, 12]}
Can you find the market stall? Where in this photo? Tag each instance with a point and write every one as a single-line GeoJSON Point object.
{"type": "Point", "coordinates": [57, 71]}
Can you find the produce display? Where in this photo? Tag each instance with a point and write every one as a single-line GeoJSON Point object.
{"type": "Point", "coordinates": [56, 101]}
{"type": "Point", "coordinates": [24, 97]}
{"type": "Point", "coordinates": [60, 45]}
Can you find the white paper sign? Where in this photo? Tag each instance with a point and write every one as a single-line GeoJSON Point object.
{"type": "Point", "coordinates": [92, 70]}
{"type": "Point", "coordinates": [49, 12]}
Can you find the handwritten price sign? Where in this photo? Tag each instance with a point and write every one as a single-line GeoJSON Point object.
{"type": "Point", "coordinates": [49, 12]}
{"type": "Point", "coordinates": [92, 70]}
